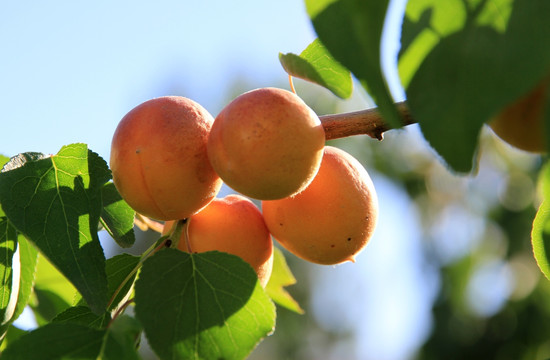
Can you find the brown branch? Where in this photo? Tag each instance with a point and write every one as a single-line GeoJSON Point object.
{"type": "Point", "coordinates": [364, 122]}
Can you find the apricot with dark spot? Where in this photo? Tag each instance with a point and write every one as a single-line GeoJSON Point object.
{"type": "Point", "coordinates": [333, 219]}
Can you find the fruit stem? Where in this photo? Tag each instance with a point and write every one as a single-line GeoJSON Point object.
{"type": "Point", "coordinates": [120, 310]}
{"type": "Point", "coordinates": [364, 122]}
{"type": "Point", "coordinates": [186, 233]}
{"type": "Point", "coordinates": [144, 256]}
{"type": "Point", "coordinates": [291, 84]}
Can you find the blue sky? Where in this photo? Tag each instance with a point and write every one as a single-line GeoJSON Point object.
{"type": "Point", "coordinates": [71, 70]}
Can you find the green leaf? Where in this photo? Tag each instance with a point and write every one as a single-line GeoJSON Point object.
{"type": "Point", "coordinates": [56, 341]}
{"type": "Point", "coordinates": [15, 297]}
{"type": "Point", "coordinates": [49, 278]}
{"type": "Point", "coordinates": [315, 64]}
{"type": "Point", "coordinates": [9, 271]}
{"type": "Point", "coordinates": [281, 277]}
{"type": "Point", "coordinates": [83, 315]}
{"type": "Point", "coordinates": [28, 257]}
{"type": "Point", "coordinates": [463, 74]}
{"type": "Point", "coordinates": [56, 203]}
{"type": "Point", "coordinates": [117, 216]}
{"type": "Point", "coordinates": [122, 339]}
{"type": "Point", "coordinates": [47, 305]}
{"type": "Point", "coordinates": [540, 238]}
{"type": "Point", "coordinates": [540, 233]}
{"type": "Point", "coordinates": [201, 306]}
{"type": "Point", "coordinates": [121, 273]}
{"type": "Point", "coordinates": [120, 268]}
{"type": "Point", "coordinates": [3, 160]}
{"type": "Point", "coordinates": [13, 333]}
{"type": "Point", "coordinates": [351, 30]}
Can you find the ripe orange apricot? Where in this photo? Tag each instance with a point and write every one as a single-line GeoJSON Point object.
{"type": "Point", "coordinates": [333, 219]}
{"type": "Point", "coordinates": [521, 123]}
{"type": "Point", "coordinates": [234, 225]}
{"type": "Point", "coordinates": [159, 160]}
{"type": "Point", "coordinates": [266, 144]}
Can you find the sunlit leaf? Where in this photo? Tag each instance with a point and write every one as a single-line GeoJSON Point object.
{"type": "Point", "coordinates": [280, 278]}
{"type": "Point", "coordinates": [28, 257]}
{"type": "Point", "coordinates": [202, 306]}
{"type": "Point", "coordinates": [351, 30]}
{"type": "Point", "coordinates": [9, 271]}
{"type": "Point", "coordinates": [540, 234]}
{"type": "Point", "coordinates": [3, 160]}
{"type": "Point", "coordinates": [56, 203]}
{"type": "Point", "coordinates": [17, 270]}
{"type": "Point", "coordinates": [117, 216]}
{"type": "Point", "coordinates": [315, 64]}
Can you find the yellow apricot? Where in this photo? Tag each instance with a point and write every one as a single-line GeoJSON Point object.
{"type": "Point", "coordinates": [233, 225]}
{"type": "Point", "coordinates": [159, 160]}
{"type": "Point", "coordinates": [333, 219]}
{"type": "Point", "coordinates": [521, 123]}
{"type": "Point", "coordinates": [266, 144]}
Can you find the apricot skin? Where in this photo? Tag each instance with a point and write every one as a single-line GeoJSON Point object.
{"type": "Point", "coordinates": [266, 144]}
{"type": "Point", "coordinates": [234, 225]}
{"type": "Point", "coordinates": [159, 160]}
{"type": "Point", "coordinates": [333, 219]}
{"type": "Point", "coordinates": [521, 123]}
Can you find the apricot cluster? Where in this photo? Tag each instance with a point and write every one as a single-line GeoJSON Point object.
{"type": "Point", "coordinates": [169, 157]}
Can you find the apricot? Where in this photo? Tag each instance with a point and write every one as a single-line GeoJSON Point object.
{"type": "Point", "coordinates": [233, 225]}
{"type": "Point", "coordinates": [333, 219]}
{"type": "Point", "coordinates": [266, 144]}
{"type": "Point", "coordinates": [521, 123]}
{"type": "Point", "coordinates": [159, 160]}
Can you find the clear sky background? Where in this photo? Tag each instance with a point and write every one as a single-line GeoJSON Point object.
{"type": "Point", "coordinates": [69, 71]}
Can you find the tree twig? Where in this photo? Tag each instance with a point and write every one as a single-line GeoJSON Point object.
{"type": "Point", "coordinates": [365, 122]}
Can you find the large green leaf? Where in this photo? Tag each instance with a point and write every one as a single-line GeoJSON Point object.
{"type": "Point", "coordinates": [280, 278]}
{"type": "Point", "coordinates": [352, 30]}
{"type": "Point", "coordinates": [117, 216]}
{"type": "Point", "coordinates": [315, 64]}
{"type": "Point", "coordinates": [56, 202]}
{"type": "Point", "coordinates": [461, 74]}
{"type": "Point", "coordinates": [57, 341]}
{"type": "Point", "coordinates": [201, 306]}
